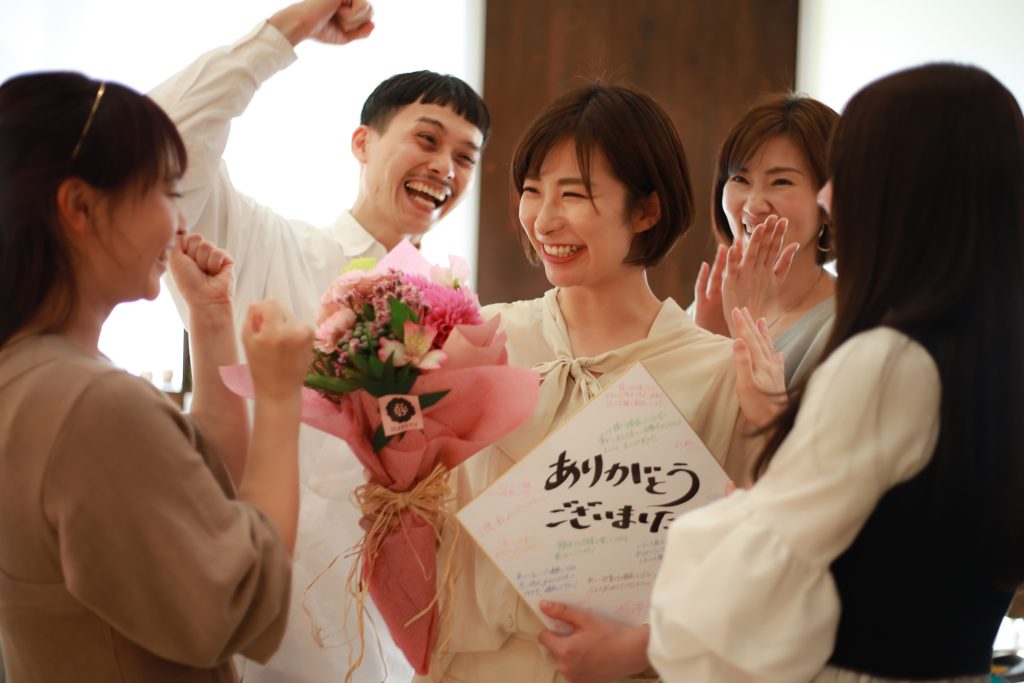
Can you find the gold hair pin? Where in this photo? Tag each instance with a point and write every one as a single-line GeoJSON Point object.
{"type": "Point", "coordinates": [88, 122]}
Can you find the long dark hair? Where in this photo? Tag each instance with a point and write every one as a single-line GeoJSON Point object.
{"type": "Point", "coordinates": [54, 127]}
{"type": "Point", "coordinates": [927, 168]}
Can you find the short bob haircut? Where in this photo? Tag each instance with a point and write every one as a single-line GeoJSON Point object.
{"type": "Point", "coordinates": [806, 122]}
{"type": "Point", "coordinates": [641, 145]}
{"type": "Point", "coordinates": [425, 87]}
{"type": "Point", "coordinates": [54, 126]}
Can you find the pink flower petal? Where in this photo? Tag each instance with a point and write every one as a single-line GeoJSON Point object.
{"type": "Point", "coordinates": [389, 347]}
{"type": "Point", "coordinates": [432, 360]}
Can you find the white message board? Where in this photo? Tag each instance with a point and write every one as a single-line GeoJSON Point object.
{"type": "Point", "coordinates": [582, 519]}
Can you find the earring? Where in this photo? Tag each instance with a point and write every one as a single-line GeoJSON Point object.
{"type": "Point", "coordinates": [823, 239]}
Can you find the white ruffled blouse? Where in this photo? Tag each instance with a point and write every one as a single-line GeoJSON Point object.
{"type": "Point", "coordinates": [744, 592]}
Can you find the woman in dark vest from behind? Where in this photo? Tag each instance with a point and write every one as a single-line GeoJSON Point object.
{"type": "Point", "coordinates": [885, 535]}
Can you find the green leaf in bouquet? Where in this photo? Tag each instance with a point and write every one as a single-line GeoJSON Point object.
{"type": "Point", "coordinates": [375, 387]}
{"type": "Point", "coordinates": [376, 366]}
{"type": "Point", "coordinates": [368, 312]}
{"type": "Point", "coordinates": [333, 385]}
{"type": "Point", "coordinates": [361, 364]}
{"type": "Point", "coordinates": [427, 400]}
{"type": "Point", "coordinates": [379, 441]}
{"type": "Point", "coordinates": [398, 380]}
{"type": "Point", "coordinates": [401, 314]}
{"type": "Point", "coordinates": [405, 377]}
{"type": "Point", "coordinates": [390, 375]}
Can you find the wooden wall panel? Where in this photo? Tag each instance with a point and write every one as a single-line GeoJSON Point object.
{"type": "Point", "coordinates": [706, 61]}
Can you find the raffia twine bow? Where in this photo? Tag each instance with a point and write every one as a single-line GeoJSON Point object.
{"type": "Point", "coordinates": [429, 500]}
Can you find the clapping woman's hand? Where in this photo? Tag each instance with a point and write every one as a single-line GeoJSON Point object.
{"type": "Point", "coordinates": [708, 311]}
{"type": "Point", "coordinates": [760, 370]}
{"type": "Point", "coordinates": [756, 270]}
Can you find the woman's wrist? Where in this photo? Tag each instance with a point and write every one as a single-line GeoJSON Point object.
{"type": "Point", "coordinates": [211, 317]}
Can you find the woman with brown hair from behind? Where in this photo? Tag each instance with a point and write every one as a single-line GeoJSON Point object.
{"type": "Point", "coordinates": [139, 544]}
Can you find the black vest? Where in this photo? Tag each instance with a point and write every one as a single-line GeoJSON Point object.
{"type": "Point", "coordinates": [916, 602]}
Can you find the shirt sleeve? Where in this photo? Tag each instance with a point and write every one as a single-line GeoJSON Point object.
{"type": "Point", "coordinates": [744, 592]}
{"type": "Point", "coordinates": [202, 100]}
{"type": "Point", "coordinates": [148, 538]}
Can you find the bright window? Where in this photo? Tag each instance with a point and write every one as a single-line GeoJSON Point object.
{"type": "Point", "coordinates": [291, 148]}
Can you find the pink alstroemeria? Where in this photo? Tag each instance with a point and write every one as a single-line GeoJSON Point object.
{"type": "Point", "coordinates": [415, 349]}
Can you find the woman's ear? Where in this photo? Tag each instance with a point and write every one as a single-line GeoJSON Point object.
{"type": "Point", "coordinates": [77, 205]}
{"type": "Point", "coordinates": [646, 213]}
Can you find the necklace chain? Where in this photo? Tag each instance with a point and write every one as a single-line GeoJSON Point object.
{"type": "Point", "coordinates": [789, 310]}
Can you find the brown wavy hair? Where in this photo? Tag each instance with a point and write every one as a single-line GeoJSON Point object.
{"type": "Point", "coordinates": [806, 122]}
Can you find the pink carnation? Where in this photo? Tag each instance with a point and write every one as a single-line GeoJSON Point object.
{"type": "Point", "coordinates": [332, 329]}
{"type": "Point", "coordinates": [446, 307]}
{"type": "Point", "coordinates": [326, 310]}
{"type": "Point", "coordinates": [358, 281]}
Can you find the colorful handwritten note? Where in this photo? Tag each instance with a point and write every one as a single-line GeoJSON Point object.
{"type": "Point", "coordinates": [582, 518]}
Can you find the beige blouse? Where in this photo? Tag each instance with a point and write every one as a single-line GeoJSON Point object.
{"type": "Point", "coordinates": [494, 634]}
{"type": "Point", "coordinates": [122, 555]}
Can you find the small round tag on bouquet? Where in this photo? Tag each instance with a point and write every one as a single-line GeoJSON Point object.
{"type": "Point", "coordinates": [400, 413]}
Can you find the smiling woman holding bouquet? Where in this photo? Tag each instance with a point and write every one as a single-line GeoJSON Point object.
{"type": "Point", "coordinates": [125, 554]}
{"type": "Point", "coordinates": [604, 193]}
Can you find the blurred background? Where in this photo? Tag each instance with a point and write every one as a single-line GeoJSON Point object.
{"type": "Point", "coordinates": [705, 60]}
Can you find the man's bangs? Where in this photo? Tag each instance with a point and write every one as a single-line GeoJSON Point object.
{"type": "Point", "coordinates": [460, 100]}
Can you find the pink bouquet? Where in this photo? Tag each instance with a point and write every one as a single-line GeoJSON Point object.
{"type": "Point", "coordinates": [410, 376]}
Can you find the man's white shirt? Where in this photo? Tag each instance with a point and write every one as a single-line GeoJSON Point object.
{"type": "Point", "coordinates": [293, 262]}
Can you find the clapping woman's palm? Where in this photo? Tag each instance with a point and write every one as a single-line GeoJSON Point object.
{"type": "Point", "coordinates": [756, 271]}
{"type": "Point", "coordinates": [760, 370]}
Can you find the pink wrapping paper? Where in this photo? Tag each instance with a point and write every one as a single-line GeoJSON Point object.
{"type": "Point", "coordinates": [487, 399]}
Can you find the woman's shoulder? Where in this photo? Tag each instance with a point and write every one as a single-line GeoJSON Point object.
{"type": "Point", "coordinates": [523, 314]}
{"type": "Point", "coordinates": [51, 362]}
{"type": "Point", "coordinates": [677, 328]}
{"type": "Point", "coordinates": [50, 371]}
{"type": "Point", "coordinates": [881, 355]}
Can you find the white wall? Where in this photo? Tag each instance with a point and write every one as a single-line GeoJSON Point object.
{"type": "Point", "coordinates": [291, 148]}
{"type": "Point", "coordinates": [845, 44]}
